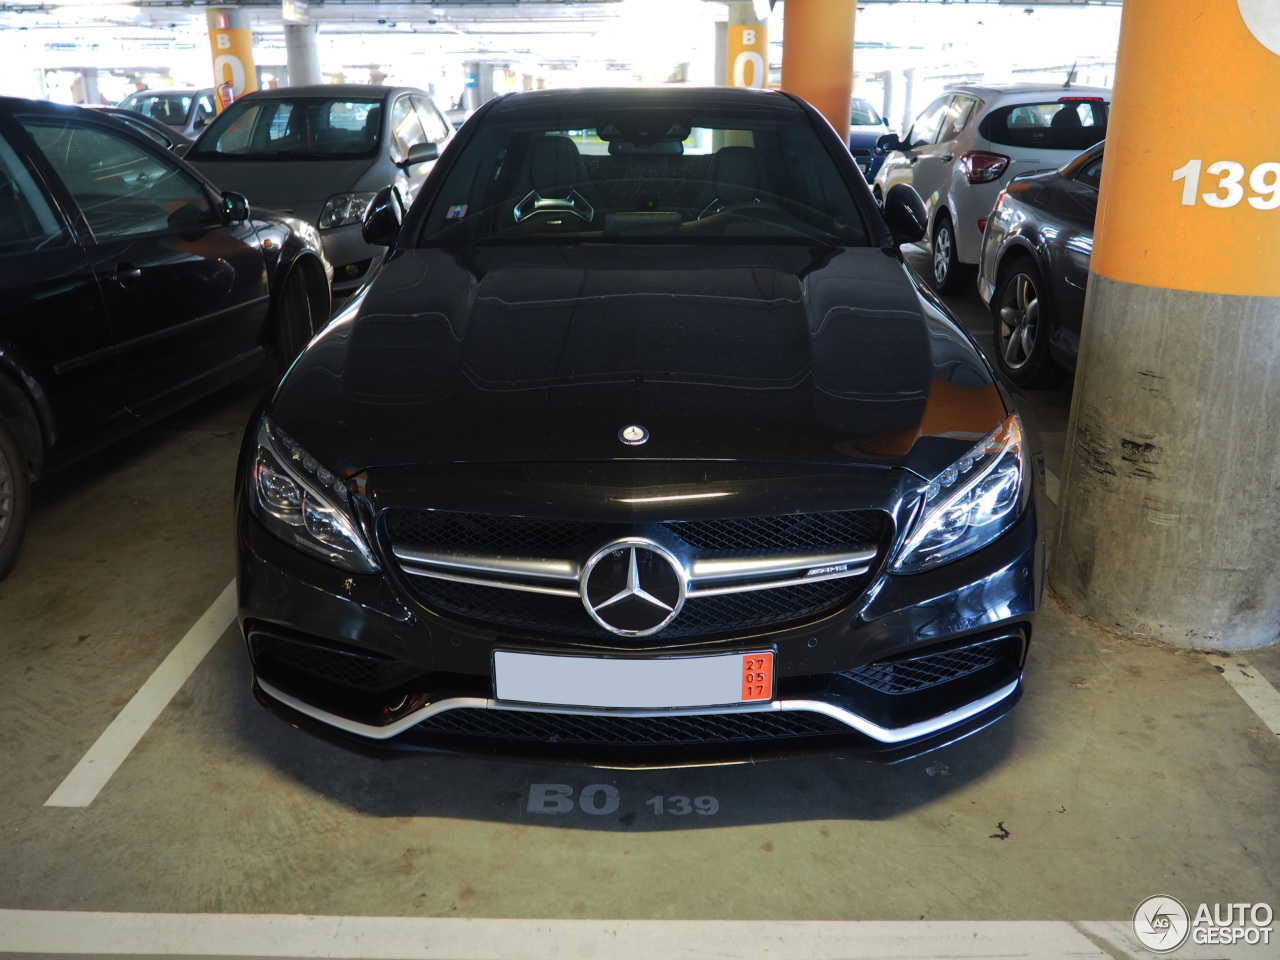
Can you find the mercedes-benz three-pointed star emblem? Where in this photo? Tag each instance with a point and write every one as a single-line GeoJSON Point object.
{"type": "Point", "coordinates": [633, 587]}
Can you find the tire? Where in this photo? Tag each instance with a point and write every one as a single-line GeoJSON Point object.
{"type": "Point", "coordinates": [294, 324]}
{"type": "Point", "coordinates": [1023, 316]}
{"type": "Point", "coordinates": [15, 499]}
{"type": "Point", "coordinates": [948, 273]}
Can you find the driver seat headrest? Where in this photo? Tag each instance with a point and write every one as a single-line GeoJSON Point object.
{"type": "Point", "coordinates": [735, 174]}
{"type": "Point", "coordinates": [555, 166]}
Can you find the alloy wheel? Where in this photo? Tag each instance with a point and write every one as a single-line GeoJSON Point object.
{"type": "Point", "coordinates": [942, 254]}
{"type": "Point", "coordinates": [1019, 321]}
{"type": "Point", "coordinates": [6, 496]}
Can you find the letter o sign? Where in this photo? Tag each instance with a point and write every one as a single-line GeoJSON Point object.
{"type": "Point", "coordinates": [231, 62]}
{"type": "Point", "coordinates": [748, 58]}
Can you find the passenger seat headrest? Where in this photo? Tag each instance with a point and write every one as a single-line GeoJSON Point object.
{"type": "Point", "coordinates": [1066, 119]}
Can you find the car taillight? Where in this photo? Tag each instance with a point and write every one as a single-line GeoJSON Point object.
{"type": "Point", "coordinates": [983, 167]}
{"type": "Point", "coordinates": [982, 225]}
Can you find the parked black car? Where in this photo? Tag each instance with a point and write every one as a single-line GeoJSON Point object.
{"type": "Point", "coordinates": [644, 446]}
{"type": "Point", "coordinates": [131, 286]}
{"type": "Point", "coordinates": [1035, 268]}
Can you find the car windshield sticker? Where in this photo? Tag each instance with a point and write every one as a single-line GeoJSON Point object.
{"type": "Point", "coordinates": [456, 212]}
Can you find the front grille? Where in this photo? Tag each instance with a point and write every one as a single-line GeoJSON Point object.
{"type": "Point", "coordinates": [911, 676]}
{"type": "Point", "coordinates": [483, 533]}
{"type": "Point", "coordinates": [532, 536]}
{"type": "Point", "coordinates": [357, 671]}
{"type": "Point", "coordinates": [792, 533]}
{"type": "Point", "coordinates": [700, 616]}
{"type": "Point", "coordinates": [630, 731]}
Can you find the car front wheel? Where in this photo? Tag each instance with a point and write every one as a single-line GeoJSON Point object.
{"type": "Point", "coordinates": [15, 499]}
{"type": "Point", "coordinates": [947, 269]}
{"type": "Point", "coordinates": [1022, 323]}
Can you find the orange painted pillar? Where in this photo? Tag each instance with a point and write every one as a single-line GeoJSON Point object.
{"type": "Point", "coordinates": [231, 44]}
{"type": "Point", "coordinates": [1171, 490]}
{"type": "Point", "coordinates": [817, 56]}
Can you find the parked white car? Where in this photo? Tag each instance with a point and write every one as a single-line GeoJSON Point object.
{"type": "Point", "coordinates": [970, 142]}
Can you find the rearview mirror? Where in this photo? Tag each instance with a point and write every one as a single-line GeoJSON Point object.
{"type": "Point", "coordinates": [889, 143]}
{"type": "Point", "coordinates": [382, 218]}
{"type": "Point", "coordinates": [420, 153]}
{"type": "Point", "coordinates": [235, 207]}
{"type": "Point", "coordinates": [905, 214]}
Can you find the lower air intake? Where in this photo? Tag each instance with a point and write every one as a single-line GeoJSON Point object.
{"type": "Point", "coordinates": [911, 676]}
{"type": "Point", "coordinates": [630, 731]}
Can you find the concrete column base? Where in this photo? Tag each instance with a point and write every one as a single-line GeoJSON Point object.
{"type": "Point", "coordinates": [1171, 488]}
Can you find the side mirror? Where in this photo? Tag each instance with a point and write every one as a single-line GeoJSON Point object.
{"type": "Point", "coordinates": [889, 143]}
{"type": "Point", "coordinates": [420, 153]}
{"type": "Point", "coordinates": [905, 214]}
{"type": "Point", "coordinates": [235, 207]}
{"type": "Point", "coordinates": [382, 218]}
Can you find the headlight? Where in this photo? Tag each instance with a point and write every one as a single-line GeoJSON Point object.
{"type": "Point", "coordinates": [971, 503]}
{"type": "Point", "coordinates": [344, 208]}
{"type": "Point", "coordinates": [304, 504]}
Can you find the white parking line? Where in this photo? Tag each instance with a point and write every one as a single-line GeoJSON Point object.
{"type": "Point", "coordinates": [103, 759]}
{"type": "Point", "coordinates": [409, 938]}
{"type": "Point", "coordinates": [1252, 687]}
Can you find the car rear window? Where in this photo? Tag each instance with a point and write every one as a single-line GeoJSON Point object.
{"type": "Point", "coordinates": [169, 108]}
{"type": "Point", "coordinates": [646, 174]}
{"type": "Point", "coordinates": [1066, 124]}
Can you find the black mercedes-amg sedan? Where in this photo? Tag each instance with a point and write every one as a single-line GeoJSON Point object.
{"type": "Point", "coordinates": [644, 447]}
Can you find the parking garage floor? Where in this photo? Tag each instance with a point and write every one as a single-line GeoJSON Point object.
{"type": "Point", "coordinates": [1128, 770]}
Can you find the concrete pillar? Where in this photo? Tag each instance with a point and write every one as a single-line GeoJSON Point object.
{"type": "Point", "coordinates": [722, 54]}
{"type": "Point", "coordinates": [302, 54]}
{"type": "Point", "coordinates": [908, 98]}
{"type": "Point", "coordinates": [886, 102]}
{"type": "Point", "coordinates": [482, 90]}
{"type": "Point", "coordinates": [817, 56]}
{"type": "Point", "coordinates": [1171, 494]}
{"type": "Point", "coordinates": [231, 43]}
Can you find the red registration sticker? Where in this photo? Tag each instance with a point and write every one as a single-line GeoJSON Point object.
{"type": "Point", "coordinates": [757, 676]}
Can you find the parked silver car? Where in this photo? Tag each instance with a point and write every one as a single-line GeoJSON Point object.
{"type": "Point", "coordinates": [970, 142]}
{"type": "Point", "coordinates": [185, 111]}
{"type": "Point", "coordinates": [320, 153]}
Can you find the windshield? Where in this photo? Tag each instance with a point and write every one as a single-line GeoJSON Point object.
{"type": "Point", "coordinates": [645, 174]}
{"type": "Point", "coordinates": [169, 108]}
{"type": "Point", "coordinates": [305, 128]}
{"type": "Point", "coordinates": [864, 115]}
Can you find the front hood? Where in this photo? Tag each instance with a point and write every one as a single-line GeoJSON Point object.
{"type": "Point", "coordinates": [290, 186]}
{"type": "Point", "coordinates": [510, 354]}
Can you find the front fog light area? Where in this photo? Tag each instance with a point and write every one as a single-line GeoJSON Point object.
{"type": "Point", "coordinates": [304, 504]}
{"type": "Point", "coordinates": [970, 503]}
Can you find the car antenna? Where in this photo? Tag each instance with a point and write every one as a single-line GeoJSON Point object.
{"type": "Point", "coordinates": [1071, 75]}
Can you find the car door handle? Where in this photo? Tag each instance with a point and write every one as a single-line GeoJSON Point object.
{"type": "Point", "coordinates": [126, 273]}
{"type": "Point", "coordinates": [947, 158]}
{"type": "Point", "coordinates": [913, 160]}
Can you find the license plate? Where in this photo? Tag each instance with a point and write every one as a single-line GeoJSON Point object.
{"type": "Point", "coordinates": [721, 680]}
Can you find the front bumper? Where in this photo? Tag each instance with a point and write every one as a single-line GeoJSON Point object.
{"type": "Point", "coordinates": [438, 693]}
{"type": "Point", "coordinates": [354, 261]}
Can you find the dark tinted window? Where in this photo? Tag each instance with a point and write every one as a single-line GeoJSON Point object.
{"type": "Point", "coordinates": [644, 173]}
{"type": "Point", "coordinates": [27, 221]}
{"type": "Point", "coordinates": [1091, 172]}
{"type": "Point", "coordinates": [1053, 125]}
{"type": "Point", "coordinates": [305, 128]}
{"type": "Point", "coordinates": [121, 188]}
